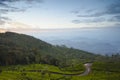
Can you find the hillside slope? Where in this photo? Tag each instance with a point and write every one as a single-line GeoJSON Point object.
{"type": "Point", "coordinates": [23, 49]}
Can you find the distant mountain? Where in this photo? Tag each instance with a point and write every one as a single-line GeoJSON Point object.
{"type": "Point", "coordinates": [95, 40]}
{"type": "Point", "coordinates": [88, 45]}
{"type": "Point", "coordinates": [23, 49]}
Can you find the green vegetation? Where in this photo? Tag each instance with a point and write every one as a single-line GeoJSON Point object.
{"type": "Point", "coordinates": [20, 72]}
{"type": "Point", "coordinates": [24, 57]}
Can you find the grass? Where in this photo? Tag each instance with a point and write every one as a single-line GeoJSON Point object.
{"type": "Point", "coordinates": [100, 71]}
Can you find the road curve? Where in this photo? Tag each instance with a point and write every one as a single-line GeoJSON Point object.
{"type": "Point", "coordinates": [86, 72]}
{"type": "Point", "coordinates": [88, 69]}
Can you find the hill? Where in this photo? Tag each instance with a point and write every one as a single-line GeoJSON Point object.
{"type": "Point", "coordinates": [24, 49]}
{"type": "Point", "coordinates": [29, 58]}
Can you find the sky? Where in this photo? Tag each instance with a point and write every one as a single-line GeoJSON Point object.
{"type": "Point", "coordinates": [57, 14]}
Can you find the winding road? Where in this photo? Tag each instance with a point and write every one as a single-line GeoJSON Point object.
{"type": "Point", "coordinates": [88, 69]}
{"type": "Point", "coordinates": [86, 72]}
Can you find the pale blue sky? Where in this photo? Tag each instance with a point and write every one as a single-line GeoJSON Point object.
{"type": "Point", "coordinates": [65, 14]}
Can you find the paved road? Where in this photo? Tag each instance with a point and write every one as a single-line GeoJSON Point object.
{"type": "Point", "coordinates": [88, 69]}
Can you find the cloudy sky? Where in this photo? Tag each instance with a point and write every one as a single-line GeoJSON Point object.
{"type": "Point", "coordinates": [54, 14]}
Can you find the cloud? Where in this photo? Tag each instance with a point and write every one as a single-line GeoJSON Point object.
{"type": "Point", "coordinates": [117, 24]}
{"type": "Point", "coordinates": [98, 20]}
{"type": "Point", "coordinates": [3, 19]}
{"type": "Point", "coordinates": [10, 6]}
{"type": "Point", "coordinates": [113, 8]}
{"type": "Point", "coordinates": [18, 25]}
{"type": "Point", "coordinates": [90, 10]}
{"type": "Point", "coordinates": [112, 11]}
{"type": "Point", "coordinates": [75, 11]}
{"type": "Point", "coordinates": [1, 22]}
{"type": "Point", "coordinates": [98, 14]}
{"type": "Point", "coordinates": [76, 21]}
{"type": "Point", "coordinates": [95, 20]}
{"type": "Point", "coordinates": [115, 18]}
